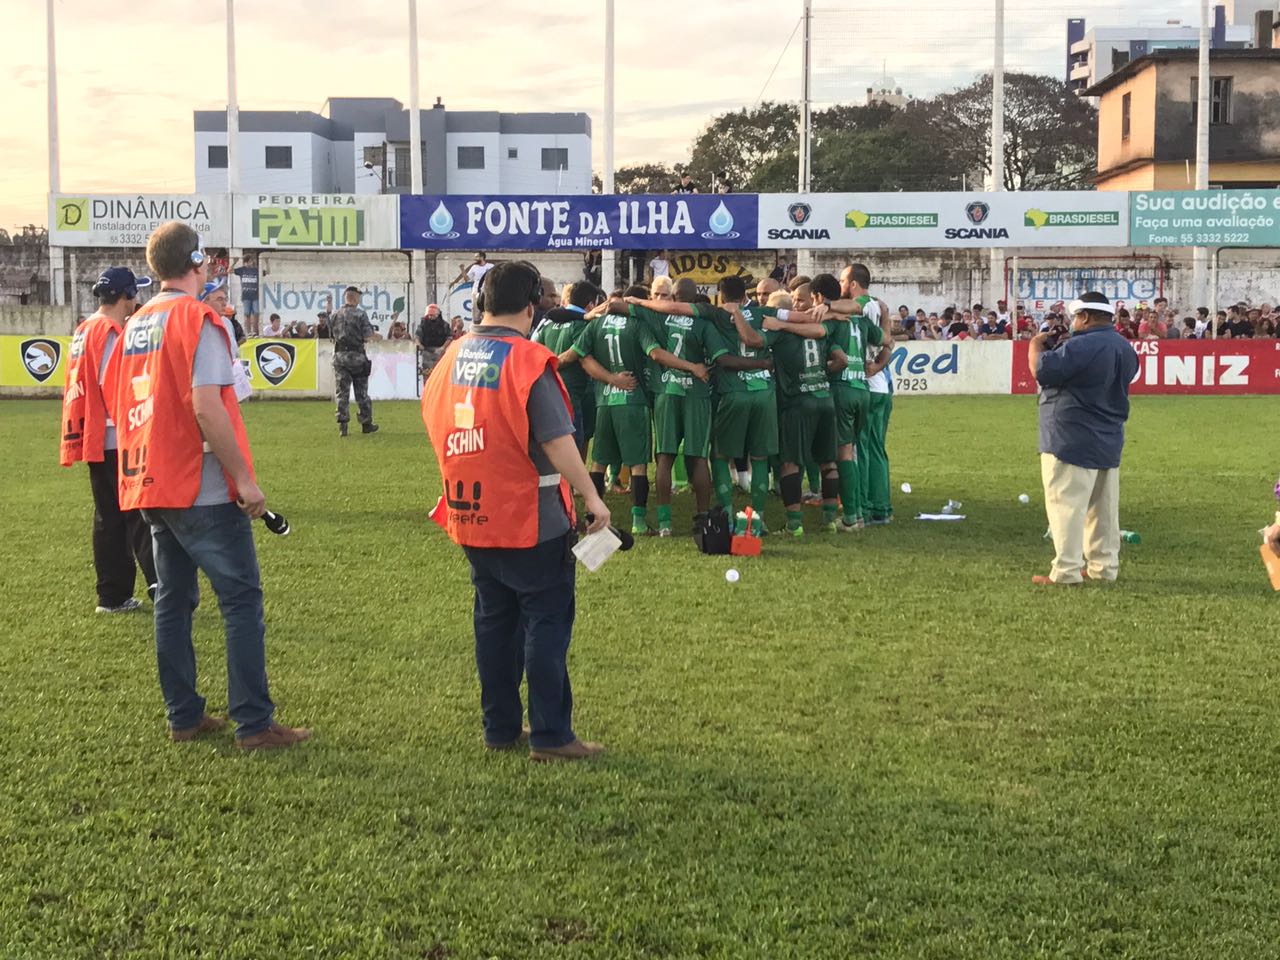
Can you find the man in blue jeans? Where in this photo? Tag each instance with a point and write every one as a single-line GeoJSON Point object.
{"type": "Point", "coordinates": [185, 462]}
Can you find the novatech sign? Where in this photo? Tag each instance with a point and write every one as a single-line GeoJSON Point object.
{"type": "Point", "coordinates": [689, 222]}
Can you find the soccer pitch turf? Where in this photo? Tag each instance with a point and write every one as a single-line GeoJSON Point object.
{"type": "Point", "coordinates": [887, 744]}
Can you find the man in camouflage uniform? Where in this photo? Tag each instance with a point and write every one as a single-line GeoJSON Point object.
{"type": "Point", "coordinates": [350, 328]}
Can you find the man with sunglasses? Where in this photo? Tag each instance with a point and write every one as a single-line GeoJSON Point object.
{"type": "Point", "coordinates": [185, 462]}
{"type": "Point", "coordinates": [120, 538]}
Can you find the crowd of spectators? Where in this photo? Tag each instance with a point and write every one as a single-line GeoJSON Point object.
{"type": "Point", "coordinates": [1144, 321]}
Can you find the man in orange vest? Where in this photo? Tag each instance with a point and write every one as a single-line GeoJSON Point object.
{"type": "Point", "coordinates": [502, 428]}
{"type": "Point", "coordinates": [185, 462]}
{"type": "Point", "coordinates": [89, 436]}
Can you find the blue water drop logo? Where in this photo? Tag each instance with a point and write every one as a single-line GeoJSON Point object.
{"type": "Point", "coordinates": [721, 224]}
{"type": "Point", "coordinates": [441, 222]}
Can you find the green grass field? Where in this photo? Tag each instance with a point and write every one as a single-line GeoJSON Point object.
{"type": "Point", "coordinates": [886, 745]}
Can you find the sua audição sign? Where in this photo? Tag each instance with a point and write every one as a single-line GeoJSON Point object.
{"type": "Point", "coordinates": [587, 222]}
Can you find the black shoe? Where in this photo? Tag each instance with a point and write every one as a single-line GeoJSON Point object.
{"type": "Point", "coordinates": [342, 429]}
{"type": "Point", "coordinates": [368, 428]}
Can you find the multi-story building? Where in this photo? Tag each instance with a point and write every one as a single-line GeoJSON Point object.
{"type": "Point", "coordinates": [1094, 54]}
{"type": "Point", "coordinates": [1147, 121]}
{"type": "Point", "coordinates": [361, 145]}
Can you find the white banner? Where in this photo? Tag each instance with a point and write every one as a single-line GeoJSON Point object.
{"type": "Point", "coordinates": [317, 221]}
{"type": "Point", "coordinates": [942, 220]}
{"type": "Point", "coordinates": [926, 367]}
{"type": "Point", "coordinates": [126, 220]}
{"type": "Point", "coordinates": [299, 286]}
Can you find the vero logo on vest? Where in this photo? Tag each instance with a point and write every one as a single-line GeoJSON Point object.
{"type": "Point", "coordinates": [144, 334]}
{"type": "Point", "coordinates": [478, 363]}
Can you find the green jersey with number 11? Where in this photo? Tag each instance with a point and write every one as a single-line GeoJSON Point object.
{"type": "Point", "coordinates": [614, 342]}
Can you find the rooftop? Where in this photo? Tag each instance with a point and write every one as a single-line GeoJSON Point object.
{"type": "Point", "coordinates": [1134, 67]}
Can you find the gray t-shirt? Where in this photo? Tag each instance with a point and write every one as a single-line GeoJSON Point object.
{"type": "Point", "coordinates": [212, 368]}
{"type": "Point", "coordinates": [549, 419]}
{"type": "Point", "coordinates": [109, 441]}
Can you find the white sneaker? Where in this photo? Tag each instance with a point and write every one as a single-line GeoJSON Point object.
{"type": "Point", "coordinates": [744, 481]}
{"type": "Point", "coordinates": [127, 607]}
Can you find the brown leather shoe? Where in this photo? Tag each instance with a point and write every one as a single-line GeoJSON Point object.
{"type": "Point", "coordinates": [207, 724]}
{"type": "Point", "coordinates": [1040, 581]}
{"type": "Point", "coordinates": [520, 741]}
{"type": "Point", "coordinates": [275, 737]}
{"type": "Point", "coordinates": [577, 750]}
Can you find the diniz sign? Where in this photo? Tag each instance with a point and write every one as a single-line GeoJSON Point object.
{"type": "Point", "coordinates": [1199, 367]}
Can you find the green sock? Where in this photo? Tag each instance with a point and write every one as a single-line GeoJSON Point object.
{"type": "Point", "coordinates": [814, 473]}
{"type": "Point", "coordinates": [850, 484]}
{"type": "Point", "coordinates": [759, 488]}
{"type": "Point", "coordinates": [723, 482]}
{"type": "Point", "coordinates": [639, 515]}
{"type": "Point", "coordinates": [795, 519]}
{"type": "Point", "coordinates": [829, 512]}
{"type": "Point", "coordinates": [664, 516]}
{"type": "Point", "coordinates": [679, 478]}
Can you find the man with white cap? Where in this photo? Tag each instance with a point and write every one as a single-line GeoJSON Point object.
{"type": "Point", "coordinates": [120, 538]}
{"type": "Point", "coordinates": [1084, 403]}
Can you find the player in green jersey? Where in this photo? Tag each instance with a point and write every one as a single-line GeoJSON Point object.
{"type": "Point", "coordinates": [803, 355]}
{"type": "Point", "coordinates": [682, 403]}
{"type": "Point", "coordinates": [745, 420]}
{"type": "Point", "coordinates": [873, 458]}
{"type": "Point", "coordinates": [559, 331]}
{"type": "Point", "coordinates": [849, 391]}
{"type": "Point", "coordinates": [610, 353]}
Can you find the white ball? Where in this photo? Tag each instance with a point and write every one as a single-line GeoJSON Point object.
{"type": "Point", "coordinates": [731, 576]}
{"type": "Point", "coordinates": [1023, 498]}
{"type": "Point", "coordinates": [906, 488]}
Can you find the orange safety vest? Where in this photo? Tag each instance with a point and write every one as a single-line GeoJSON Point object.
{"type": "Point", "coordinates": [84, 410]}
{"type": "Point", "coordinates": [474, 406]}
{"type": "Point", "coordinates": [149, 383]}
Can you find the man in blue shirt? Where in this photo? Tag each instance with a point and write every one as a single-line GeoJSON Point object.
{"type": "Point", "coordinates": [1084, 403]}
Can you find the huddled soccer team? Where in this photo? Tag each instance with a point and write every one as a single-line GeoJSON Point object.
{"type": "Point", "coordinates": [786, 384]}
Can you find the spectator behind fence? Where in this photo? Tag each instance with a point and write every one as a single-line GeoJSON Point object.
{"type": "Point", "coordinates": [274, 327]}
{"type": "Point", "coordinates": [398, 331]}
{"type": "Point", "coordinates": [321, 327]}
{"type": "Point", "coordinates": [432, 336]}
{"type": "Point", "coordinates": [300, 330]}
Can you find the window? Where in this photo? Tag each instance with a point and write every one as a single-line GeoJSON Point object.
{"type": "Point", "coordinates": [471, 158]}
{"type": "Point", "coordinates": [555, 158]}
{"type": "Point", "coordinates": [217, 158]}
{"type": "Point", "coordinates": [1219, 99]}
{"type": "Point", "coordinates": [279, 158]}
{"type": "Point", "coordinates": [513, 153]}
{"type": "Point", "coordinates": [1126, 110]}
{"type": "Point", "coordinates": [402, 176]}
{"type": "Point", "coordinates": [373, 155]}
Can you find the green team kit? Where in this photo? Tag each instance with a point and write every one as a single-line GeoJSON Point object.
{"type": "Point", "coordinates": [777, 399]}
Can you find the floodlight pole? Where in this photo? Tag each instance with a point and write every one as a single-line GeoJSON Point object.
{"type": "Point", "coordinates": [1200, 255]}
{"type": "Point", "coordinates": [233, 151]}
{"type": "Point", "coordinates": [57, 269]}
{"type": "Point", "coordinates": [417, 258]}
{"type": "Point", "coordinates": [608, 256]}
{"type": "Point", "coordinates": [997, 141]}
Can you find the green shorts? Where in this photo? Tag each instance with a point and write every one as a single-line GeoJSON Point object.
{"type": "Point", "coordinates": [852, 404]}
{"type": "Point", "coordinates": [746, 425]}
{"type": "Point", "coordinates": [684, 420]}
{"type": "Point", "coordinates": [622, 435]}
{"type": "Point", "coordinates": [808, 431]}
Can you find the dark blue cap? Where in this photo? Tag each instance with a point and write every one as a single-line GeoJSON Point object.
{"type": "Point", "coordinates": [119, 280]}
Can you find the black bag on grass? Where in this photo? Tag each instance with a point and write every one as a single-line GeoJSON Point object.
{"type": "Point", "coordinates": [712, 532]}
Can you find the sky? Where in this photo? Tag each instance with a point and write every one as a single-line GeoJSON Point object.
{"type": "Point", "coordinates": [129, 82]}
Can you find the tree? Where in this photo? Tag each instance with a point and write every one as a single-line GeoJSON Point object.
{"type": "Point", "coordinates": [4, 238]}
{"type": "Point", "coordinates": [645, 178]}
{"type": "Point", "coordinates": [736, 145]}
{"type": "Point", "coordinates": [1050, 133]}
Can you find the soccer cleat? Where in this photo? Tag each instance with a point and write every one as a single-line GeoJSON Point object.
{"type": "Point", "coordinates": [811, 499]}
{"type": "Point", "coordinates": [844, 526]}
{"type": "Point", "coordinates": [128, 606]}
{"type": "Point", "coordinates": [342, 429]}
{"type": "Point", "coordinates": [664, 531]}
{"type": "Point", "coordinates": [796, 531]}
{"type": "Point", "coordinates": [879, 521]}
{"type": "Point", "coordinates": [368, 428]}
{"type": "Point", "coordinates": [829, 526]}
{"type": "Point", "coordinates": [639, 528]}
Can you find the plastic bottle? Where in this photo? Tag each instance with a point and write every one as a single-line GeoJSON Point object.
{"type": "Point", "coordinates": [1129, 536]}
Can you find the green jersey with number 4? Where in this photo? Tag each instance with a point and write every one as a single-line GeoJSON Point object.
{"type": "Point", "coordinates": [614, 342]}
{"type": "Point", "coordinates": [853, 338]}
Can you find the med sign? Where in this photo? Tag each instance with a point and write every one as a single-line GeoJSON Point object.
{"type": "Point", "coordinates": [945, 367]}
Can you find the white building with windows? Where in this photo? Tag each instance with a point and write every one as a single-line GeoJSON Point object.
{"type": "Point", "coordinates": [361, 145]}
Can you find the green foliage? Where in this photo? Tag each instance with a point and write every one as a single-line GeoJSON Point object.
{"type": "Point", "coordinates": [645, 178]}
{"type": "Point", "coordinates": [884, 745]}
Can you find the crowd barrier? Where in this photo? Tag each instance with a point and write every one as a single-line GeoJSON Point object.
{"type": "Point", "coordinates": [34, 366]}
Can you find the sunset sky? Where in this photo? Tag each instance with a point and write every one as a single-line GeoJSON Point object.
{"type": "Point", "coordinates": [129, 81]}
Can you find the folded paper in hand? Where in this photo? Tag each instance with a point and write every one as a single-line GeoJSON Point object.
{"type": "Point", "coordinates": [595, 548]}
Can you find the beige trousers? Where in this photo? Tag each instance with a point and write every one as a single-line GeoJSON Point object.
{"type": "Point", "coordinates": [1084, 517]}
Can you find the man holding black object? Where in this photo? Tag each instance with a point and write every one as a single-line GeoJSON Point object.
{"type": "Point", "coordinates": [185, 462]}
{"type": "Point", "coordinates": [1084, 403]}
{"type": "Point", "coordinates": [501, 425]}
